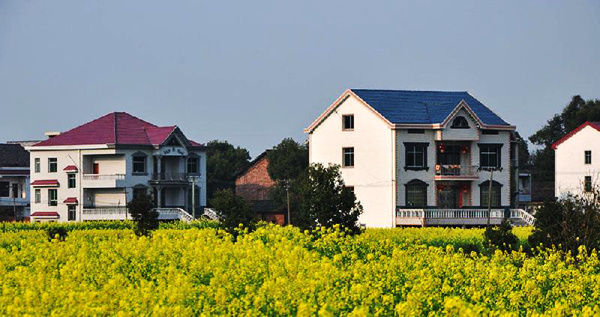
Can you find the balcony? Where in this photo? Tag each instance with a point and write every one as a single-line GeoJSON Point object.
{"type": "Point", "coordinates": [122, 213]}
{"type": "Point", "coordinates": [102, 180]}
{"type": "Point", "coordinates": [8, 201]}
{"type": "Point", "coordinates": [171, 178]}
{"type": "Point", "coordinates": [456, 172]}
{"type": "Point", "coordinates": [460, 217]}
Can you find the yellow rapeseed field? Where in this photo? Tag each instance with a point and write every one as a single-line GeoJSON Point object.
{"type": "Point", "coordinates": [282, 271]}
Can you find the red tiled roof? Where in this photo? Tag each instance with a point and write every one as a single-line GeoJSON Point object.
{"type": "Point", "coordinates": [71, 201]}
{"type": "Point", "coordinates": [45, 182]}
{"type": "Point", "coordinates": [52, 214]}
{"type": "Point", "coordinates": [71, 168]}
{"type": "Point", "coordinates": [113, 128]}
{"type": "Point", "coordinates": [595, 125]}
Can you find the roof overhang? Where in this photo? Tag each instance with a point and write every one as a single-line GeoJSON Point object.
{"type": "Point", "coordinates": [69, 147]}
{"type": "Point", "coordinates": [45, 183]}
{"type": "Point", "coordinates": [572, 133]}
{"type": "Point", "coordinates": [338, 102]}
{"type": "Point", "coordinates": [45, 215]}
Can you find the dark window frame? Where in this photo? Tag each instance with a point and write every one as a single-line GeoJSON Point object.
{"type": "Point", "coordinates": [587, 157]}
{"type": "Point", "coordinates": [415, 186]}
{"type": "Point", "coordinates": [196, 165]}
{"type": "Point", "coordinates": [485, 164]}
{"type": "Point", "coordinates": [348, 154]}
{"type": "Point", "coordinates": [71, 180]}
{"type": "Point", "coordinates": [410, 149]}
{"type": "Point", "coordinates": [52, 165]}
{"type": "Point", "coordinates": [38, 196]}
{"type": "Point", "coordinates": [415, 131]}
{"type": "Point", "coordinates": [460, 122]}
{"type": "Point", "coordinates": [37, 164]}
{"type": "Point", "coordinates": [348, 122]}
{"type": "Point", "coordinates": [587, 184]}
{"type": "Point", "coordinates": [489, 132]}
{"type": "Point", "coordinates": [52, 201]}
{"type": "Point", "coordinates": [135, 163]}
{"type": "Point", "coordinates": [71, 212]}
{"type": "Point", "coordinates": [483, 193]}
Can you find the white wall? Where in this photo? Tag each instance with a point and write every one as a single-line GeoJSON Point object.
{"type": "Point", "coordinates": [373, 173]}
{"type": "Point", "coordinates": [570, 170]}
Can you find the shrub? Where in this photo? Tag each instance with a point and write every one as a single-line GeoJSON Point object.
{"type": "Point", "coordinates": [501, 237]}
{"type": "Point", "coordinates": [233, 210]}
{"type": "Point", "coordinates": [144, 216]}
{"type": "Point", "coordinates": [57, 232]}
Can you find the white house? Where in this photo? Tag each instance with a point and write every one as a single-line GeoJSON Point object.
{"type": "Point", "coordinates": [577, 160]}
{"type": "Point", "coordinates": [418, 157]}
{"type": "Point", "coordinates": [92, 171]}
{"type": "Point", "coordinates": [14, 182]}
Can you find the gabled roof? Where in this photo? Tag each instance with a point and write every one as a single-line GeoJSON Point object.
{"type": "Point", "coordinates": [13, 155]}
{"type": "Point", "coordinates": [398, 107]}
{"type": "Point", "coordinates": [114, 128]}
{"type": "Point", "coordinates": [424, 107]}
{"type": "Point", "coordinates": [595, 125]}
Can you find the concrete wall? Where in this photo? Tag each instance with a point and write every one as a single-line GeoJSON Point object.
{"type": "Point", "coordinates": [373, 173]}
{"type": "Point", "coordinates": [570, 167]}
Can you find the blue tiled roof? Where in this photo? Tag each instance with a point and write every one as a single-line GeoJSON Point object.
{"type": "Point", "coordinates": [426, 107]}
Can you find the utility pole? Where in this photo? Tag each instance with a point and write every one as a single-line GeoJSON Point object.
{"type": "Point", "coordinates": [490, 197]}
{"type": "Point", "coordinates": [287, 190]}
{"type": "Point", "coordinates": [193, 180]}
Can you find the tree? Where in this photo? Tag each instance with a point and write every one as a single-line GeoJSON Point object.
{"type": "Point", "coordinates": [569, 223]}
{"type": "Point", "coordinates": [145, 217]}
{"type": "Point", "coordinates": [287, 161]}
{"type": "Point", "coordinates": [324, 200]}
{"type": "Point", "coordinates": [223, 162]}
{"type": "Point", "coordinates": [501, 237]}
{"type": "Point", "coordinates": [573, 115]}
{"type": "Point", "coordinates": [233, 210]}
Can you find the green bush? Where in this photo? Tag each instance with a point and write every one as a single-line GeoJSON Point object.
{"type": "Point", "coordinates": [501, 237]}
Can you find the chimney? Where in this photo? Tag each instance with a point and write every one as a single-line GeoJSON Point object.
{"type": "Point", "coordinates": [50, 135]}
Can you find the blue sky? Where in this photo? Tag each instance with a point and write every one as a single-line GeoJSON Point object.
{"type": "Point", "coordinates": [254, 72]}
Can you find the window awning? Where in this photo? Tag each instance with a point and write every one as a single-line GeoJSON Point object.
{"type": "Point", "coordinates": [71, 169]}
{"type": "Point", "coordinates": [71, 201]}
{"type": "Point", "coordinates": [45, 214]}
{"type": "Point", "coordinates": [45, 182]}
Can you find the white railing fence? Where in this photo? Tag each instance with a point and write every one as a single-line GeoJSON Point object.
{"type": "Point", "coordinates": [210, 214]}
{"type": "Point", "coordinates": [174, 213]}
{"type": "Point", "coordinates": [101, 177]}
{"type": "Point", "coordinates": [122, 213]}
{"type": "Point", "coordinates": [465, 214]}
{"type": "Point", "coordinates": [105, 211]}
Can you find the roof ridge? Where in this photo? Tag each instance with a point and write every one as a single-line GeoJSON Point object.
{"type": "Point", "coordinates": [411, 90]}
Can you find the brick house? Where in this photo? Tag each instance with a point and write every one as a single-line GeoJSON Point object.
{"type": "Point", "coordinates": [253, 184]}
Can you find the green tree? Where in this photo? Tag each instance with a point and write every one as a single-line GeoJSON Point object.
{"type": "Point", "coordinates": [577, 112]}
{"type": "Point", "coordinates": [324, 200]}
{"type": "Point", "coordinates": [223, 162]}
{"type": "Point", "coordinates": [287, 161]}
{"type": "Point", "coordinates": [144, 216]}
{"type": "Point", "coordinates": [233, 210]}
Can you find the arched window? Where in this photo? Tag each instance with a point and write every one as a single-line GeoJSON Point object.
{"type": "Point", "coordinates": [416, 193]}
{"type": "Point", "coordinates": [460, 123]}
{"type": "Point", "coordinates": [485, 193]}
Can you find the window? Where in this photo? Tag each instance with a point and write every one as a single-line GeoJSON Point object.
{"type": "Point", "coordinates": [4, 189]}
{"type": "Point", "coordinates": [72, 210]}
{"type": "Point", "coordinates": [460, 123]}
{"type": "Point", "coordinates": [348, 122]}
{"type": "Point", "coordinates": [348, 158]}
{"type": "Point", "coordinates": [193, 166]}
{"type": "Point", "coordinates": [489, 156]}
{"type": "Point", "coordinates": [588, 184]}
{"type": "Point", "coordinates": [37, 165]}
{"type": "Point", "coordinates": [588, 157]}
{"type": "Point", "coordinates": [485, 193]}
{"type": "Point", "coordinates": [52, 165]}
{"type": "Point", "coordinates": [489, 132]}
{"type": "Point", "coordinates": [38, 196]}
{"type": "Point", "coordinates": [448, 154]}
{"type": "Point", "coordinates": [139, 191]}
{"type": "Point", "coordinates": [416, 156]}
{"type": "Point", "coordinates": [52, 197]}
{"type": "Point", "coordinates": [416, 131]}
{"type": "Point", "coordinates": [139, 164]}
{"type": "Point", "coordinates": [71, 180]}
{"type": "Point", "coordinates": [416, 193]}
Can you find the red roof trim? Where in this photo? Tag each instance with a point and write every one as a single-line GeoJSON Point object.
{"type": "Point", "coordinates": [595, 125]}
{"type": "Point", "coordinates": [71, 168]}
{"type": "Point", "coordinates": [46, 214]}
{"type": "Point", "coordinates": [45, 182]}
{"type": "Point", "coordinates": [71, 201]}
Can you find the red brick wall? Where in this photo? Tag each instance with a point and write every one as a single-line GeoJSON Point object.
{"type": "Point", "coordinates": [254, 184]}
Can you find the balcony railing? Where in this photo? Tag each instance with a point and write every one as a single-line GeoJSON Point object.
{"type": "Point", "coordinates": [102, 177]}
{"type": "Point", "coordinates": [171, 177]}
{"type": "Point", "coordinates": [456, 170]}
{"type": "Point", "coordinates": [461, 216]}
{"type": "Point", "coordinates": [104, 210]}
{"type": "Point", "coordinates": [122, 213]}
{"type": "Point", "coordinates": [9, 201]}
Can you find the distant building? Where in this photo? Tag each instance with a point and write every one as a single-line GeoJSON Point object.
{"type": "Point", "coordinates": [14, 182]}
{"type": "Point", "coordinates": [253, 184]}
{"type": "Point", "coordinates": [577, 160]}
{"type": "Point", "coordinates": [92, 171]}
{"type": "Point", "coordinates": [419, 157]}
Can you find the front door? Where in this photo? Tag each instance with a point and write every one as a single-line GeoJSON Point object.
{"type": "Point", "coordinates": [448, 198]}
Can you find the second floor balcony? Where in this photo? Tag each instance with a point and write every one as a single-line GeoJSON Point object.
{"type": "Point", "coordinates": [456, 172]}
{"type": "Point", "coordinates": [174, 177]}
{"type": "Point", "coordinates": [102, 180]}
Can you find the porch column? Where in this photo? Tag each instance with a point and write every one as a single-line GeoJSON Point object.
{"type": "Point", "coordinates": [158, 159]}
{"type": "Point", "coordinates": [159, 197]}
